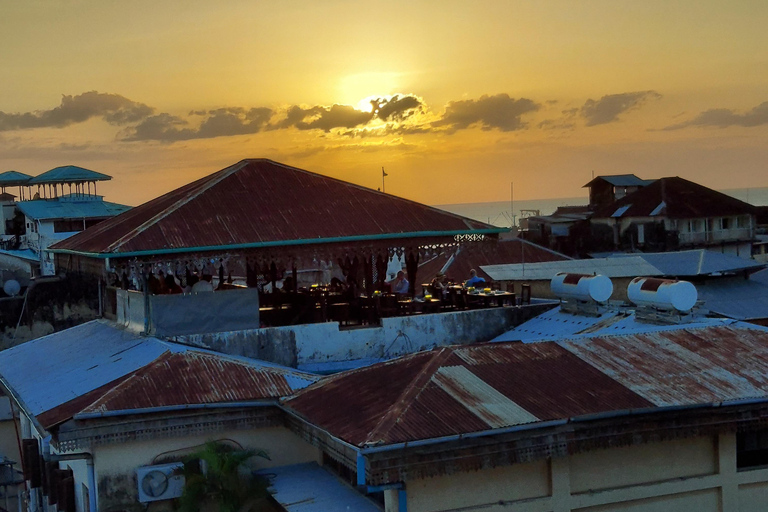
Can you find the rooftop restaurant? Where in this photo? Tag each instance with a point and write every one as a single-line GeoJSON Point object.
{"type": "Point", "coordinates": [278, 246]}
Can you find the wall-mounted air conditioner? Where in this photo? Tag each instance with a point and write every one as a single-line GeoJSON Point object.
{"type": "Point", "coordinates": [161, 482]}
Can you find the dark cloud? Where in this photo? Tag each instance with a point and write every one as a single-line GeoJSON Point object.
{"type": "Point", "coordinates": [113, 108]}
{"type": "Point", "coordinates": [499, 111]}
{"type": "Point", "coordinates": [221, 122]}
{"type": "Point", "coordinates": [608, 108]}
{"type": "Point", "coordinates": [396, 108]}
{"type": "Point", "coordinates": [324, 118]}
{"type": "Point", "coordinates": [723, 118]}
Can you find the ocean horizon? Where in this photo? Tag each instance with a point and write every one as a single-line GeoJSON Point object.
{"type": "Point", "coordinates": [498, 212]}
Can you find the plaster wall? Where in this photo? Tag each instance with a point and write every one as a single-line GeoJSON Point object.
{"type": "Point", "coordinates": [309, 344]}
{"type": "Point", "coordinates": [510, 483]}
{"type": "Point", "coordinates": [685, 475]}
{"type": "Point", "coordinates": [116, 464]}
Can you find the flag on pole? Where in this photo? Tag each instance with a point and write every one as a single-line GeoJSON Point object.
{"type": "Point", "coordinates": [383, 174]}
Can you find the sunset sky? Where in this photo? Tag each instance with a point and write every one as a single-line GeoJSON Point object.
{"type": "Point", "coordinates": [454, 99]}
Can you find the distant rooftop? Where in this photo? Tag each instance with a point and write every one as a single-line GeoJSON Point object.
{"type": "Point", "coordinates": [13, 179]}
{"type": "Point", "coordinates": [70, 207]}
{"type": "Point", "coordinates": [621, 180]}
{"type": "Point", "coordinates": [68, 174]}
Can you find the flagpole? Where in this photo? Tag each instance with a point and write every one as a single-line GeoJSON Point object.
{"type": "Point", "coordinates": [383, 175]}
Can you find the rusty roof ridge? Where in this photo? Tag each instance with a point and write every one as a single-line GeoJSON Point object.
{"type": "Point", "coordinates": [171, 408]}
{"type": "Point", "coordinates": [192, 194]}
{"type": "Point", "coordinates": [409, 394]}
{"type": "Point", "coordinates": [326, 379]}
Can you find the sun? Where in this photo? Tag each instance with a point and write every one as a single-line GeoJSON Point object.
{"type": "Point", "coordinates": [361, 85]}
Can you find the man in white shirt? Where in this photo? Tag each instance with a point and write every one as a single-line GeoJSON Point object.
{"type": "Point", "coordinates": [399, 284]}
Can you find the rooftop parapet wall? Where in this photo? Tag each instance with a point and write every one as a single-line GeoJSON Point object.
{"type": "Point", "coordinates": [320, 346]}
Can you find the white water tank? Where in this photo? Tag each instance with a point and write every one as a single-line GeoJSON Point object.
{"type": "Point", "coordinates": [666, 294]}
{"type": "Point", "coordinates": [584, 287]}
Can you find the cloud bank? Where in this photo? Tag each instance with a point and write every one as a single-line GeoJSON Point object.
{"type": "Point", "coordinates": [112, 108]}
{"type": "Point", "coordinates": [488, 112]}
{"type": "Point", "coordinates": [724, 118]}
{"type": "Point", "coordinates": [608, 108]}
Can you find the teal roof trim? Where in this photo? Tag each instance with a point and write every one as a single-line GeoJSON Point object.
{"type": "Point", "coordinates": [68, 174]}
{"type": "Point", "coordinates": [279, 243]}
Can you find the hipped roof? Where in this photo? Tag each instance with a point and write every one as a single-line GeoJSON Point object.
{"type": "Point", "coordinates": [675, 198]}
{"type": "Point", "coordinates": [463, 389]}
{"type": "Point", "coordinates": [259, 202]}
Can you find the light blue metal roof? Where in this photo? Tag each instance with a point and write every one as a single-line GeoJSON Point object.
{"type": "Point", "coordinates": [736, 297]}
{"type": "Point", "coordinates": [631, 266]}
{"type": "Point", "coordinates": [696, 262]}
{"type": "Point", "coordinates": [24, 254]}
{"type": "Point", "coordinates": [556, 324]}
{"type": "Point", "coordinates": [310, 488]}
{"type": "Point", "coordinates": [69, 207]}
{"type": "Point", "coordinates": [52, 370]}
{"type": "Point", "coordinates": [13, 178]}
{"type": "Point", "coordinates": [68, 174]}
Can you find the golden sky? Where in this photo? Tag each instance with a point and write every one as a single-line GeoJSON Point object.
{"type": "Point", "coordinates": [454, 99]}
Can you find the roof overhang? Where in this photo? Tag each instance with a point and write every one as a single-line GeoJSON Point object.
{"type": "Point", "coordinates": [458, 236]}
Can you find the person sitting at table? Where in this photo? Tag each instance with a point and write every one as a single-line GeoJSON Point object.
{"type": "Point", "coordinates": [438, 286]}
{"type": "Point", "coordinates": [399, 284]}
{"type": "Point", "coordinates": [474, 280]}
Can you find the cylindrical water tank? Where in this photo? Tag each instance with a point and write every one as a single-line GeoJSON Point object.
{"type": "Point", "coordinates": [584, 287]}
{"type": "Point", "coordinates": [11, 287]}
{"type": "Point", "coordinates": [664, 294]}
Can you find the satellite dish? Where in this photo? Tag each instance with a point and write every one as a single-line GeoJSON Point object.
{"type": "Point", "coordinates": [11, 287]}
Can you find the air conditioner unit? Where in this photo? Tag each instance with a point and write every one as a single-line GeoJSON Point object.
{"type": "Point", "coordinates": [160, 482]}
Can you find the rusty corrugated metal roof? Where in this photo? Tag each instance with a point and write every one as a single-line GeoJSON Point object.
{"type": "Point", "coordinates": [191, 378]}
{"type": "Point", "coordinates": [504, 252]}
{"type": "Point", "coordinates": [459, 390]}
{"type": "Point", "coordinates": [260, 201]}
{"type": "Point", "coordinates": [97, 366]}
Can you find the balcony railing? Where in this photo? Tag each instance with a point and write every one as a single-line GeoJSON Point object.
{"type": "Point", "coordinates": [719, 235]}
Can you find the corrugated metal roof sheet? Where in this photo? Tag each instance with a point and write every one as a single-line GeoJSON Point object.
{"type": "Point", "coordinates": [684, 366]}
{"type": "Point", "coordinates": [557, 324]}
{"type": "Point", "coordinates": [695, 262]}
{"type": "Point", "coordinates": [193, 377]}
{"type": "Point", "coordinates": [13, 178]}
{"type": "Point", "coordinates": [68, 174]}
{"type": "Point", "coordinates": [310, 488]}
{"type": "Point", "coordinates": [736, 297]}
{"type": "Point", "coordinates": [97, 367]}
{"type": "Point", "coordinates": [49, 209]}
{"type": "Point", "coordinates": [458, 390]}
{"type": "Point", "coordinates": [258, 201]}
{"type": "Point", "coordinates": [503, 252]}
{"type": "Point", "coordinates": [630, 266]}
{"type": "Point", "coordinates": [683, 199]}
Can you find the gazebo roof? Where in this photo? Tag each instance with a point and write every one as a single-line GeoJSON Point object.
{"type": "Point", "coordinates": [259, 203]}
{"type": "Point", "coordinates": [68, 174]}
{"type": "Point", "coordinates": [14, 179]}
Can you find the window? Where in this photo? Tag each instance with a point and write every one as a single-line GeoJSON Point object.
{"type": "Point", "coordinates": [725, 223]}
{"type": "Point", "coordinates": [752, 449]}
{"type": "Point", "coordinates": [67, 226]}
